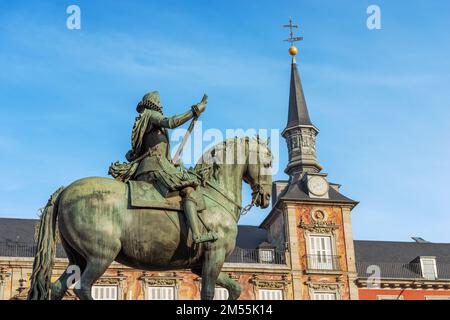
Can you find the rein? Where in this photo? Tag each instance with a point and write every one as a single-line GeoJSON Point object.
{"type": "Point", "coordinates": [242, 210]}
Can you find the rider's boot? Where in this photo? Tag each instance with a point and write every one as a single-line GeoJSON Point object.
{"type": "Point", "coordinates": [190, 209]}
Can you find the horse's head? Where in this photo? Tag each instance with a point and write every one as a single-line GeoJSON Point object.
{"type": "Point", "coordinates": [258, 172]}
{"type": "Point", "coordinates": [248, 159]}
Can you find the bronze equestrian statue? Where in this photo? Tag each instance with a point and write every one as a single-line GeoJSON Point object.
{"type": "Point", "coordinates": [137, 218]}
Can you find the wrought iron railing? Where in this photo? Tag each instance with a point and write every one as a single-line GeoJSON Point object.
{"type": "Point", "coordinates": [402, 271]}
{"type": "Point", "coordinates": [261, 256]}
{"type": "Point", "coordinates": [321, 262]}
{"type": "Point", "coordinates": [239, 255]}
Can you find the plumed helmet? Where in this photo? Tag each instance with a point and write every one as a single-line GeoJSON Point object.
{"type": "Point", "coordinates": [150, 101]}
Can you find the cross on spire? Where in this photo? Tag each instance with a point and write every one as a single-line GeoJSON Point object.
{"type": "Point", "coordinates": [292, 39]}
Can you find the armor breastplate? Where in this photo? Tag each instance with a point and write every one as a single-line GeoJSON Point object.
{"type": "Point", "coordinates": [157, 142]}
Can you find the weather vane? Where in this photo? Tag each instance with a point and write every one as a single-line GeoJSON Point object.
{"type": "Point", "coordinates": [292, 39]}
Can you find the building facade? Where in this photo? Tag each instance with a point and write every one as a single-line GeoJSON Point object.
{"type": "Point", "coordinates": [303, 250]}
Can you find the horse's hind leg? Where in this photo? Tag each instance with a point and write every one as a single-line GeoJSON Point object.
{"type": "Point", "coordinates": [233, 287]}
{"type": "Point", "coordinates": [95, 268]}
{"type": "Point", "coordinates": [98, 259]}
{"type": "Point", "coordinates": [59, 288]}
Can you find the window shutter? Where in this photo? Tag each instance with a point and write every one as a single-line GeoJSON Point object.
{"type": "Point", "coordinates": [320, 256]}
{"type": "Point", "coordinates": [104, 292]}
{"type": "Point", "coordinates": [324, 296]}
{"type": "Point", "coordinates": [270, 294]}
{"type": "Point", "coordinates": [161, 293]}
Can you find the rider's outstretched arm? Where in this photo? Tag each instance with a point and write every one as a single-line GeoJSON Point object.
{"type": "Point", "coordinates": [176, 121]}
{"type": "Point", "coordinates": [171, 122]}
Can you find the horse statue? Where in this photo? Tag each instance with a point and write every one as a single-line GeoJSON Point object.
{"type": "Point", "coordinates": [98, 224]}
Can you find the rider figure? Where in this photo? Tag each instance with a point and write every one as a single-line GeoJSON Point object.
{"type": "Point", "coordinates": [150, 136]}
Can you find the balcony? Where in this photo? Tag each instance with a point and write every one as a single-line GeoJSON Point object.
{"type": "Point", "coordinates": [259, 256]}
{"type": "Point", "coordinates": [319, 263]}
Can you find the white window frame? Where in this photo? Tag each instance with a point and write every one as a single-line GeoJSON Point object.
{"type": "Point", "coordinates": [423, 261]}
{"type": "Point", "coordinates": [270, 294]}
{"type": "Point", "coordinates": [164, 296]}
{"type": "Point", "coordinates": [324, 294]}
{"type": "Point", "coordinates": [107, 288]}
{"type": "Point", "coordinates": [220, 293]}
{"type": "Point", "coordinates": [327, 264]}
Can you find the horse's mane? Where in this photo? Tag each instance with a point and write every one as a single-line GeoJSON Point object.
{"type": "Point", "coordinates": [213, 158]}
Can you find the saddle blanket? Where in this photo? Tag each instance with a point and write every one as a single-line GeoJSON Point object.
{"type": "Point", "coordinates": [144, 195]}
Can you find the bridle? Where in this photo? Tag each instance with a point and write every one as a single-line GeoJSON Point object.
{"type": "Point", "coordinates": [257, 189]}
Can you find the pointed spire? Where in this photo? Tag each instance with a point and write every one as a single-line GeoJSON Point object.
{"type": "Point", "coordinates": [298, 111]}
{"type": "Point", "coordinates": [300, 133]}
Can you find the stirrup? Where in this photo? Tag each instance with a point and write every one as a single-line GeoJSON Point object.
{"type": "Point", "coordinates": [210, 236]}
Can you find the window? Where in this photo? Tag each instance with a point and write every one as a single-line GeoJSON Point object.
{"type": "Point", "coordinates": [104, 292]}
{"type": "Point", "coordinates": [266, 255]}
{"type": "Point", "coordinates": [220, 294]}
{"type": "Point", "coordinates": [320, 255]}
{"type": "Point", "coordinates": [324, 296]}
{"type": "Point", "coordinates": [270, 294]}
{"type": "Point", "coordinates": [161, 293]}
{"type": "Point", "coordinates": [428, 266]}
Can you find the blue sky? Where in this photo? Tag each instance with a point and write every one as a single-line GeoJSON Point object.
{"type": "Point", "coordinates": [380, 98]}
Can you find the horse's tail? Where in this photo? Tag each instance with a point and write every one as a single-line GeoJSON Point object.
{"type": "Point", "coordinates": [45, 251]}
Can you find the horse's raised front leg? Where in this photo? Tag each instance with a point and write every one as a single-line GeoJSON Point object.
{"type": "Point", "coordinates": [233, 287]}
{"type": "Point", "coordinates": [212, 265]}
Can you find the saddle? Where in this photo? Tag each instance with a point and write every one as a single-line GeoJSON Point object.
{"type": "Point", "coordinates": [144, 194]}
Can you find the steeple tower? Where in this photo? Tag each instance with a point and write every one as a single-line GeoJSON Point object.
{"type": "Point", "coordinates": [300, 133]}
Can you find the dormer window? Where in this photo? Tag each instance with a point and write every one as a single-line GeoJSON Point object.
{"type": "Point", "coordinates": [266, 253]}
{"type": "Point", "coordinates": [428, 267]}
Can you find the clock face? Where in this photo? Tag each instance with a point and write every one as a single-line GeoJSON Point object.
{"type": "Point", "coordinates": [317, 185]}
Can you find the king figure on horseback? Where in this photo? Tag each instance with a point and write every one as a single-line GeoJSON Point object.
{"type": "Point", "coordinates": [151, 154]}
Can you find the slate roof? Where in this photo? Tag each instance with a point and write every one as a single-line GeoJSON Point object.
{"type": "Point", "coordinates": [17, 230]}
{"type": "Point", "coordinates": [399, 252]}
{"type": "Point", "coordinates": [295, 192]}
{"type": "Point", "coordinates": [397, 259]}
{"type": "Point", "coordinates": [250, 237]}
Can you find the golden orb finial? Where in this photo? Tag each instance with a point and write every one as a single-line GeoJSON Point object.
{"type": "Point", "coordinates": [293, 51]}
